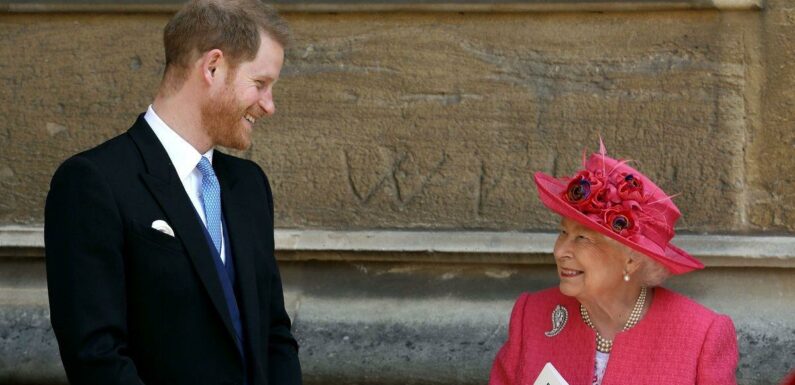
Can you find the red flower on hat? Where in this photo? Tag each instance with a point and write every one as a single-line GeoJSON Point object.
{"type": "Point", "coordinates": [630, 188]}
{"type": "Point", "coordinates": [621, 220]}
{"type": "Point", "coordinates": [584, 189]}
{"type": "Point", "coordinates": [605, 198]}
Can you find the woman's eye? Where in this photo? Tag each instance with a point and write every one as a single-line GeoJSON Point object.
{"type": "Point", "coordinates": [582, 238]}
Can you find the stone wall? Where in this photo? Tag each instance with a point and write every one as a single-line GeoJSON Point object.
{"type": "Point", "coordinates": [437, 120]}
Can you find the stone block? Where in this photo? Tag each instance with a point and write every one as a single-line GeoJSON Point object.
{"type": "Point", "coordinates": [771, 148]}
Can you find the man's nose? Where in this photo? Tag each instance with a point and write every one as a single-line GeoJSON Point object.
{"type": "Point", "coordinates": [266, 103]}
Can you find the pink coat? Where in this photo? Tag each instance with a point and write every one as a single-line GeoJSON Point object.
{"type": "Point", "coordinates": [677, 342]}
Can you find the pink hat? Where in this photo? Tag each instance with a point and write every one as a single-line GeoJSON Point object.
{"type": "Point", "coordinates": [616, 200]}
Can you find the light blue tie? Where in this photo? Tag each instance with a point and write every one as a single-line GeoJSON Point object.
{"type": "Point", "coordinates": [211, 198]}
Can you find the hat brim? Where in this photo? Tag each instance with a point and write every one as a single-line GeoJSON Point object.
{"type": "Point", "coordinates": [676, 260]}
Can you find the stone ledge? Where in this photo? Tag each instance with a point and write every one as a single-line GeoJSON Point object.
{"type": "Point", "coordinates": [460, 246]}
{"type": "Point", "coordinates": [21, 236]}
{"type": "Point", "coordinates": [169, 6]}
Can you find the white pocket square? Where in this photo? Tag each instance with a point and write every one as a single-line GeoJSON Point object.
{"type": "Point", "coordinates": [163, 227]}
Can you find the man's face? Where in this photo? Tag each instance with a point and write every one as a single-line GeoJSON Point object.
{"type": "Point", "coordinates": [245, 96]}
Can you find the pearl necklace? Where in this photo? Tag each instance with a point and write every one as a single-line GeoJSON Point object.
{"type": "Point", "coordinates": [603, 344]}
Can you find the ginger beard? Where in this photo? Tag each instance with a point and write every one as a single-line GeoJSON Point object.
{"type": "Point", "coordinates": [222, 118]}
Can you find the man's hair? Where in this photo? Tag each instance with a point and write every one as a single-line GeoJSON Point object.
{"type": "Point", "coordinates": [233, 26]}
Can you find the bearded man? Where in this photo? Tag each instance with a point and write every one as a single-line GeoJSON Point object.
{"type": "Point", "coordinates": [159, 247]}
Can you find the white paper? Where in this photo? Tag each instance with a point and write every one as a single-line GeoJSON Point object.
{"type": "Point", "coordinates": [550, 376]}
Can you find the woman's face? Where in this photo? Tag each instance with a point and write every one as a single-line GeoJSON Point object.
{"type": "Point", "coordinates": [589, 264]}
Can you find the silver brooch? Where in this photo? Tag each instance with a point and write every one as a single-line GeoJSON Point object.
{"type": "Point", "coordinates": [559, 317]}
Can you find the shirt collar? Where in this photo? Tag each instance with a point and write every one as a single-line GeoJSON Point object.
{"type": "Point", "coordinates": [183, 155]}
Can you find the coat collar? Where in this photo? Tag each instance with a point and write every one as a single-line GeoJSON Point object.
{"type": "Point", "coordinates": [182, 154]}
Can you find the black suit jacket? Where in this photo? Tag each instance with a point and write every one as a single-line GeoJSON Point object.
{"type": "Point", "coordinates": [131, 305]}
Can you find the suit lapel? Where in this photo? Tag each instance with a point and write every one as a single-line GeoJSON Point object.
{"type": "Point", "coordinates": [164, 184]}
{"type": "Point", "coordinates": [241, 230]}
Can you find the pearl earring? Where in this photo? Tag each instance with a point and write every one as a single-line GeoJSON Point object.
{"type": "Point", "coordinates": [626, 276]}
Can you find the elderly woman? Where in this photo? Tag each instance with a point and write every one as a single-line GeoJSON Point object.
{"type": "Point", "coordinates": [609, 322]}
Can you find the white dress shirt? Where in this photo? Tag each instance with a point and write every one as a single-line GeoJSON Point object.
{"type": "Point", "coordinates": [185, 158]}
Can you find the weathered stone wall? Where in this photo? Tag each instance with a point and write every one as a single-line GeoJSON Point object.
{"type": "Point", "coordinates": [438, 120]}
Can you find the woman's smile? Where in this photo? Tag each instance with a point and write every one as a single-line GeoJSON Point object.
{"type": "Point", "coordinates": [570, 273]}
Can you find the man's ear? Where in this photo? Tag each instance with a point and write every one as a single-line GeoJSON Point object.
{"type": "Point", "coordinates": [210, 63]}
